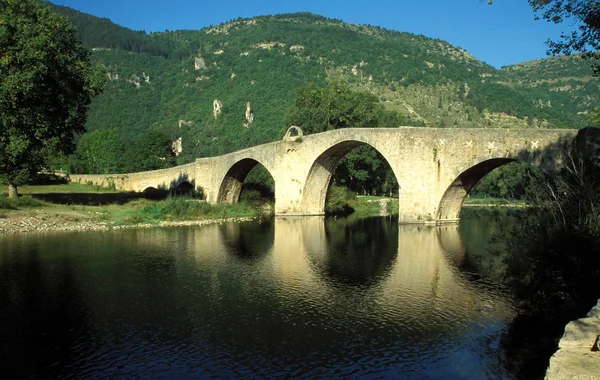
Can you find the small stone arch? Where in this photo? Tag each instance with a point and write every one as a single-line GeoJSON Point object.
{"type": "Point", "coordinates": [451, 203]}
{"type": "Point", "coordinates": [184, 188]}
{"type": "Point", "coordinates": [231, 186]}
{"type": "Point", "coordinates": [150, 189]}
{"type": "Point", "coordinates": [293, 133]}
{"type": "Point", "coordinates": [319, 176]}
{"type": "Point", "coordinates": [154, 193]}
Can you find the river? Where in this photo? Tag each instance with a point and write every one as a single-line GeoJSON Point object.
{"type": "Point", "coordinates": [292, 297]}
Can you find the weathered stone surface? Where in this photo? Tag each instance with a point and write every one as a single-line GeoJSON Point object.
{"type": "Point", "coordinates": [177, 146]}
{"type": "Point", "coordinates": [580, 333]}
{"type": "Point", "coordinates": [575, 358]}
{"type": "Point", "coordinates": [199, 63]}
{"type": "Point", "coordinates": [574, 364]}
{"type": "Point", "coordinates": [435, 167]}
{"type": "Point", "coordinates": [249, 115]}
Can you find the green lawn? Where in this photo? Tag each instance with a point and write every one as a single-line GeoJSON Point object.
{"type": "Point", "coordinates": [63, 189]}
{"type": "Point", "coordinates": [494, 202]}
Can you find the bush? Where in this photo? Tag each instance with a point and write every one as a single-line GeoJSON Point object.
{"type": "Point", "coordinates": [6, 203]}
{"type": "Point", "coordinates": [178, 208]}
{"type": "Point", "coordinates": [20, 202]}
{"type": "Point", "coordinates": [337, 201]}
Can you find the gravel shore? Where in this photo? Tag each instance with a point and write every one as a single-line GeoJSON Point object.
{"type": "Point", "coordinates": [59, 223]}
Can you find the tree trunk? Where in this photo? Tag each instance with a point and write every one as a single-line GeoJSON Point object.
{"type": "Point", "coordinates": [12, 191]}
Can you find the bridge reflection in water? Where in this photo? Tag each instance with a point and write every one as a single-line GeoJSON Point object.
{"type": "Point", "coordinates": [415, 267]}
{"type": "Point", "coordinates": [291, 297]}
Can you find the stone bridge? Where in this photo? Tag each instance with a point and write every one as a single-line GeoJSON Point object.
{"type": "Point", "coordinates": [435, 167]}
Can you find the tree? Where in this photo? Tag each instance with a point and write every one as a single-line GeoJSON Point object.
{"type": "Point", "coordinates": [99, 152]}
{"type": "Point", "coordinates": [46, 84]}
{"type": "Point", "coordinates": [318, 109]}
{"type": "Point", "coordinates": [153, 150]}
{"type": "Point", "coordinates": [584, 14]}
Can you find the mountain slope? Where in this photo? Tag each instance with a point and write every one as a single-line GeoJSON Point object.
{"type": "Point", "coordinates": [176, 84]}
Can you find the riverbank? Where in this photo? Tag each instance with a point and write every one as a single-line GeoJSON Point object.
{"type": "Point", "coordinates": [97, 211]}
{"type": "Point", "coordinates": [76, 207]}
{"type": "Point", "coordinates": [30, 214]}
{"type": "Point", "coordinates": [41, 221]}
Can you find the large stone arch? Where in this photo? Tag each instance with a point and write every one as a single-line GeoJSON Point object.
{"type": "Point", "coordinates": [319, 176]}
{"type": "Point", "coordinates": [454, 196]}
{"type": "Point", "coordinates": [231, 185]}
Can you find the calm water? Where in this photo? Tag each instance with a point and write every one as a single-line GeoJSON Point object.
{"type": "Point", "coordinates": [301, 298]}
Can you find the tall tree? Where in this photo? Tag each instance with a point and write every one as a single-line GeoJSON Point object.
{"type": "Point", "coordinates": [153, 150]}
{"type": "Point", "coordinates": [46, 84]}
{"type": "Point", "coordinates": [584, 15]}
{"type": "Point", "coordinates": [99, 152]}
{"type": "Point", "coordinates": [318, 109]}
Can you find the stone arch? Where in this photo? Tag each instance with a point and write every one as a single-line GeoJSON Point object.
{"type": "Point", "coordinates": [231, 186]}
{"type": "Point", "coordinates": [454, 196]}
{"type": "Point", "coordinates": [319, 176]}
{"type": "Point", "coordinates": [183, 188]}
{"type": "Point", "coordinates": [154, 193]}
{"type": "Point", "coordinates": [293, 133]}
{"type": "Point", "coordinates": [150, 189]}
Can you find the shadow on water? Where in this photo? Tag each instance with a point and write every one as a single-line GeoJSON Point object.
{"type": "Point", "coordinates": [358, 252]}
{"type": "Point", "coordinates": [529, 341]}
{"type": "Point", "coordinates": [41, 318]}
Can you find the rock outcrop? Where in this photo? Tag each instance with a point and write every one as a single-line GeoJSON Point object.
{"type": "Point", "coordinates": [199, 63]}
{"type": "Point", "coordinates": [249, 115]}
{"type": "Point", "coordinates": [187, 123]}
{"type": "Point", "coordinates": [217, 107]}
{"type": "Point", "coordinates": [577, 356]}
{"type": "Point", "coordinates": [177, 147]}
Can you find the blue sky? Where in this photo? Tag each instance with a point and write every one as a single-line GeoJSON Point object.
{"type": "Point", "coordinates": [502, 34]}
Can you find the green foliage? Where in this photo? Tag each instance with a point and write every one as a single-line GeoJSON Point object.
{"type": "Point", "coordinates": [152, 151]}
{"type": "Point", "coordinates": [20, 202]}
{"type": "Point", "coordinates": [359, 75]}
{"type": "Point", "coordinates": [556, 278]}
{"type": "Point", "coordinates": [595, 118]}
{"type": "Point", "coordinates": [517, 180]}
{"type": "Point", "coordinates": [365, 171]}
{"type": "Point", "coordinates": [180, 208]}
{"type": "Point", "coordinates": [337, 201]}
{"type": "Point", "coordinates": [102, 33]}
{"type": "Point", "coordinates": [584, 14]}
{"type": "Point", "coordinates": [99, 152]}
{"type": "Point", "coordinates": [103, 152]}
{"type": "Point", "coordinates": [46, 84]}
{"type": "Point", "coordinates": [318, 109]}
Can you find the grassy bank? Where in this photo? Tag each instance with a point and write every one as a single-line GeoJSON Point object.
{"type": "Point", "coordinates": [373, 205]}
{"type": "Point", "coordinates": [64, 188]}
{"type": "Point", "coordinates": [88, 205]}
{"type": "Point", "coordinates": [173, 209]}
{"type": "Point", "coordinates": [494, 202]}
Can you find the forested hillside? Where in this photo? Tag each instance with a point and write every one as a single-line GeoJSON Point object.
{"type": "Point", "coordinates": [196, 85]}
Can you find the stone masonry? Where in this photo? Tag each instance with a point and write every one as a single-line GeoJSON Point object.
{"type": "Point", "coordinates": [435, 167]}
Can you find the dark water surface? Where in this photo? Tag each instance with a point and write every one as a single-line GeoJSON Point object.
{"type": "Point", "coordinates": [300, 298]}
